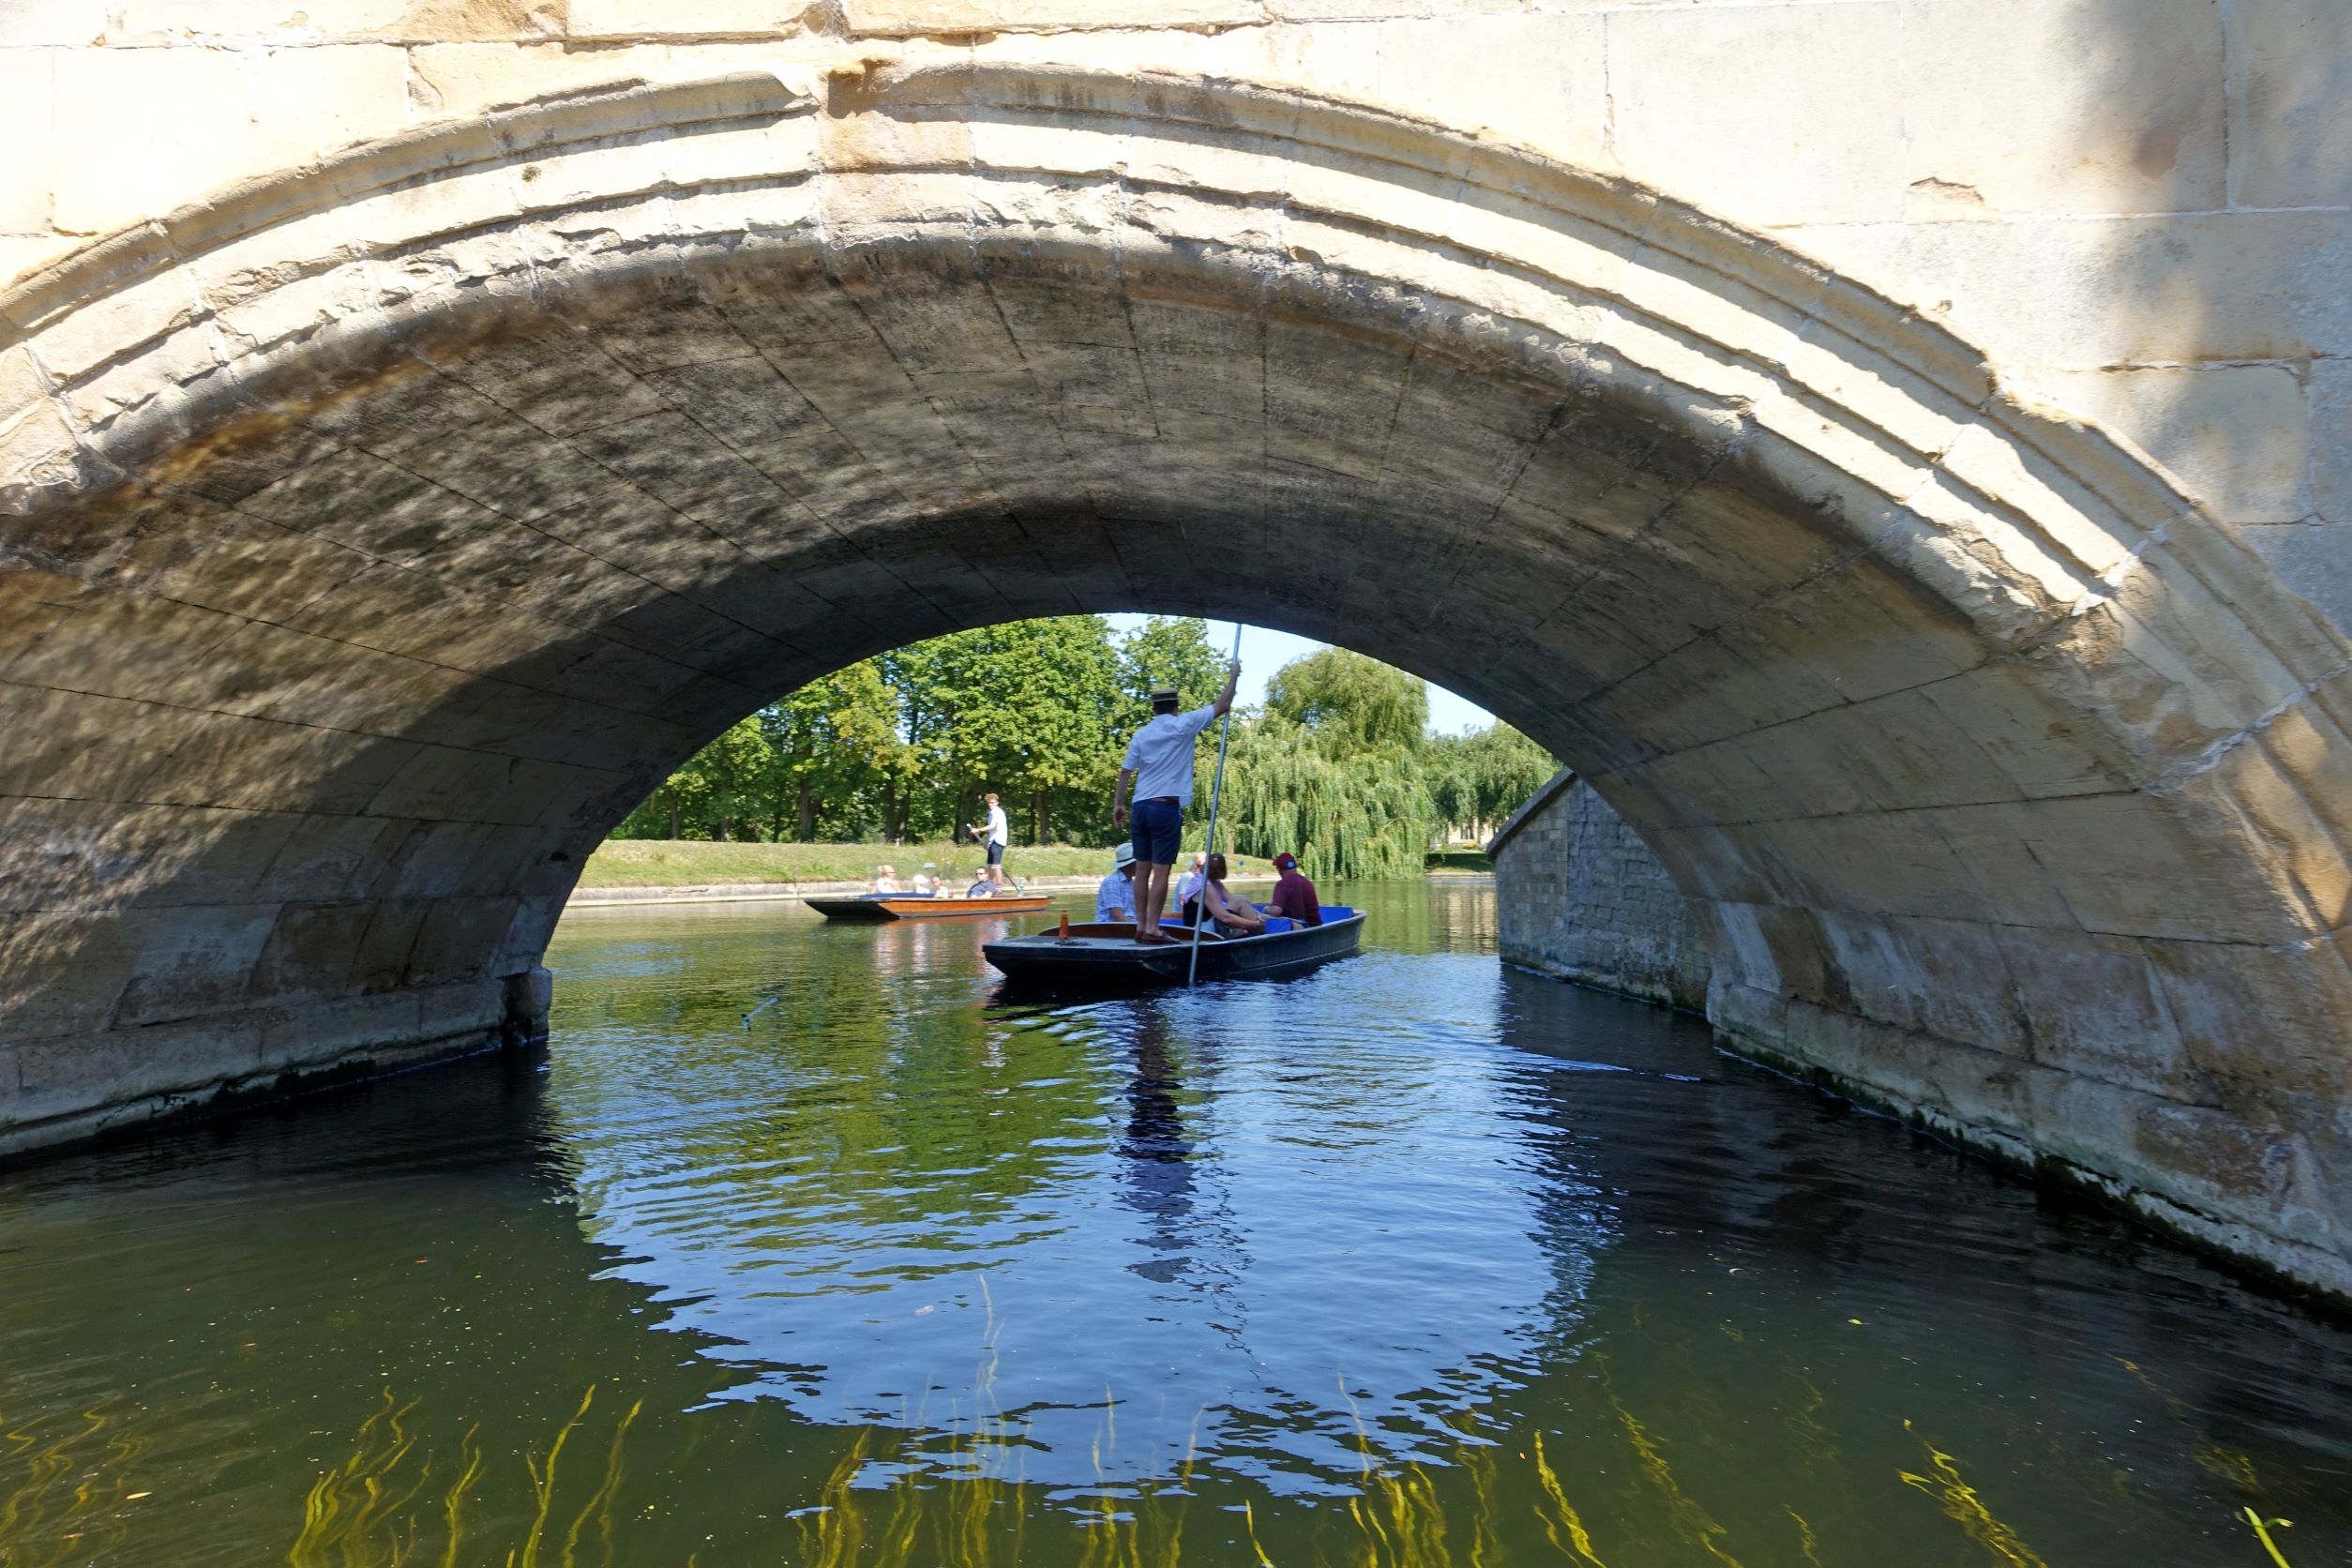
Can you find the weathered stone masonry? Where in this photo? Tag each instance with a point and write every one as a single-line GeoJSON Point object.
{"type": "Point", "coordinates": [1581, 896]}
{"type": "Point", "coordinates": [377, 524]}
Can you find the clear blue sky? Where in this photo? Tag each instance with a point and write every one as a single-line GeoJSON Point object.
{"type": "Point", "coordinates": [1263, 652]}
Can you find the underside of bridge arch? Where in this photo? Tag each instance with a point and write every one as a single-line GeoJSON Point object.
{"type": "Point", "coordinates": [376, 537]}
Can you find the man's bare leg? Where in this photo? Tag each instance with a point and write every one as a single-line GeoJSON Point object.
{"type": "Point", "coordinates": [1151, 892]}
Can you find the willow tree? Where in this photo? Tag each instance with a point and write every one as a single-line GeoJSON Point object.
{"type": "Point", "coordinates": [1340, 769]}
{"type": "Point", "coordinates": [1351, 703]}
{"type": "Point", "coordinates": [1345, 811]}
{"type": "Point", "coordinates": [1482, 777]}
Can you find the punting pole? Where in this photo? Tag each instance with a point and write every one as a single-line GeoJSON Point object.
{"type": "Point", "coordinates": [1216, 791]}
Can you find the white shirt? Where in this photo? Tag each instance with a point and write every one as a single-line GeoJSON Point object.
{"type": "Point", "coordinates": [1189, 886]}
{"type": "Point", "coordinates": [996, 833]}
{"type": "Point", "coordinates": [1116, 893]}
{"type": "Point", "coordinates": [1161, 754]}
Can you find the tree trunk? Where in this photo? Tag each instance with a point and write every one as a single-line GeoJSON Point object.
{"type": "Point", "coordinates": [723, 822]}
{"type": "Point", "coordinates": [672, 796]}
{"type": "Point", "coordinates": [807, 824]}
{"type": "Point", "coordinates": [1040, 815]}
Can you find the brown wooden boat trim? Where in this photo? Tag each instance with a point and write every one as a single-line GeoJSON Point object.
{"type": "Point", "coordinates": [852, 907]}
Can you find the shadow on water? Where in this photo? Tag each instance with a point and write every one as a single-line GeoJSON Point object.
{"type": "Point", "coordinates": [1410, 1259]}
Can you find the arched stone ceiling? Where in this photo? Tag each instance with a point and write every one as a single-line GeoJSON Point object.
{"type": "Point", "coordinates": [377, 535]}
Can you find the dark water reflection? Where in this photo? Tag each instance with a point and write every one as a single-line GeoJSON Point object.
{"type": "Point", "coordinates": [1412, 1260]}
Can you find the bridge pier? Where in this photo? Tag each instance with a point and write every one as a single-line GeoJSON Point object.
{"type": "Point", "coordinates": [1581, 896]}
{"type": "Point", "coordinates": [529, 997]}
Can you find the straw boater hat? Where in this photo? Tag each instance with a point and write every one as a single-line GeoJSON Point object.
{"type": "Point", "coordinates": [1123, 855]}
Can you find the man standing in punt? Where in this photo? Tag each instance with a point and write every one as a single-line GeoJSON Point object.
{"type": "Point", "coordinates": [993, 834]}
{"type": "Point", "coordinates": [1159, 766]}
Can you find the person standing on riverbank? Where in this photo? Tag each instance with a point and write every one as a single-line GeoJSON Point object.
{"type": "Point", "coordinates": [992, 835]}
{"type": "Point", "coordinates": [1159, 766]}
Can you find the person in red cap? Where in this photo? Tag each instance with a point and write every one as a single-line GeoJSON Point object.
{"type": "Point", "coordinates": [1293, 894]}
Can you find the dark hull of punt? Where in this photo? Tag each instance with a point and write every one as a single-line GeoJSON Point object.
{"type": "Point", "coordinates": [1093, 956]}
{"type": "Point", "coordinates": [869, 908]}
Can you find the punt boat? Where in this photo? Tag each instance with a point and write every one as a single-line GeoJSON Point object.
{"type": "Point", "coordinates": [1109, 956]}
{"type": "Point", "coordinates": [924, 906]}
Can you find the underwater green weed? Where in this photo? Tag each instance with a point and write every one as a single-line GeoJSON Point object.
{"type": "Point", "coordinates": [1578, 1545]}
{"type": "Point", "coordinates": [39, 1522]}
{"type": "Point", "coordinates": [2262, 1532]}
{"type": "Point", "coordinates": [1962, 1505]}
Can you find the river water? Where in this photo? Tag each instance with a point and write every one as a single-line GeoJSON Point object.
{"type": "Point", "coordinates": [1415, 1259]}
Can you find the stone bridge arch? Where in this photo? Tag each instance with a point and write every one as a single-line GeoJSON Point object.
{"type": "Point", "coordinates": [378, 533]}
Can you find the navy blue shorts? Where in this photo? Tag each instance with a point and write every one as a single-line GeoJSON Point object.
{"type": "Point", "coordinates": [1157, 831]}
{"type": "Point", "coordinates": [996, 851]}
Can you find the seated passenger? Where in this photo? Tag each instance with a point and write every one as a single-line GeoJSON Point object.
{"type": "Point", "coordinates": [1188, 885]}
{"type": "Point", "coordinates": [1293, 896]}
{"type": "Point", "coordinates": [885, 880]}
{"type": "Point", "coordinates": [1114, 900]}
{"type": "Point", "coordinates": [1234, 917]}
{"type": "Point", "coordinates": [923, 882]}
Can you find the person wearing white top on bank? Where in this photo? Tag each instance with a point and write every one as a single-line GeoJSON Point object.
{"type": "Point", "coordinates": [992, 835]}
{"type": "Point", "coordinates": [1159, 766]}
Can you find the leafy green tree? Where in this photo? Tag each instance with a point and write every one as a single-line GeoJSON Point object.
{"type": "Point", "coordinates": [1482, 777]}
{"type": "Point", "coordinates": [1047, 710]}
{"type": "Point", "coordinates": [838, 751]}
{"type": "Point", "coordinates": [930, 680]}
{"type": "Point", "coordinates": [1170, 649]}
{"type": "Point", "coordinates": [1360, 813]}
{"type": "Point", "coordinates": [1332, 769]}
{"type": "Point", "coordinates": [1025, 708]}
{"type": "Point", "coordinates": [1341, 770]}
{"type": "Point", "coordinates": [1351, 703]}
{"type": "Point", "coordinates": [729, 780]}
{"type": "Point", "coordinates": [1336, 767]}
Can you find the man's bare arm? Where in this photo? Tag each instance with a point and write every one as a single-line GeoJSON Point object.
{"type": "Point", "coordinates": [1224, 704]}
{"type": "Point", "coordinates": [1119, 797]}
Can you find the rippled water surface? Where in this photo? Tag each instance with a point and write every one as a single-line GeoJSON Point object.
{"type": "Point", "coordinates": [1414, 1260]}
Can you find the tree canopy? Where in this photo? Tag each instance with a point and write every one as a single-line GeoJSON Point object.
{"type": "Point", "coordinates": [1337, 766]}
{"type": "Point", "coordinates": [1351, 703]}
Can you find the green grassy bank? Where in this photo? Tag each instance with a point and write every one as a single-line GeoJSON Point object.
{"type": "Point", "coordinates": [696, 862]}
{"type": "Point", "coordinates": [1460, 860]}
